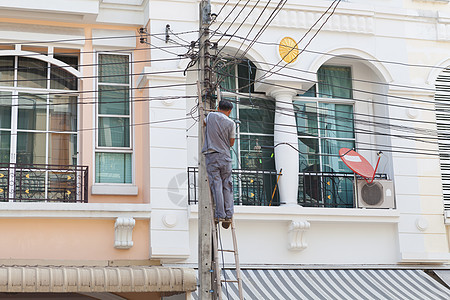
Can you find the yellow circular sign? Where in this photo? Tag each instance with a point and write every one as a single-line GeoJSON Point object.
{"type": "Point", "coordinates": [288, 50]}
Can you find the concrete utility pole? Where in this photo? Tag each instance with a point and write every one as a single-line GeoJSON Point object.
{"type": "Point", "coordinates": [206, 289]}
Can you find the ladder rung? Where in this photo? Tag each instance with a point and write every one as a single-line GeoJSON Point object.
{"type": "Point", "coordinates": [230, 281]}
{"type": "Point", "coordinates": [224, 250]}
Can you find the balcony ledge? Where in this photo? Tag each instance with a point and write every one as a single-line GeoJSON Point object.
{"type": "Point", "coordinates": [311, 214]}
{"type": "Point", "coordinates": [74, 210]}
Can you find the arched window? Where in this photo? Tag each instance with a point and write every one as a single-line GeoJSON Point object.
{"type": "Point", "coordinates": [38, 128]}
{"type": "Point", "coordinates": [38, 112]}
{"type": "Point", "coordinates": [253, 160]}
{"type": "Point", "coordinates": [324, 125]}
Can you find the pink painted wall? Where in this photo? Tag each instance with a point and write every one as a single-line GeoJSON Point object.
{"type": "Point", "coordinates": [55, 239]}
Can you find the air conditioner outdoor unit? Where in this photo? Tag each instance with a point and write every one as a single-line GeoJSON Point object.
{"type": "Point", "coordinates": [378, 194]}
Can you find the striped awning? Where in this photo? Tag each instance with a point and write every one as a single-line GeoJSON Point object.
{"type": "Point", "coordinates": [334, 284]}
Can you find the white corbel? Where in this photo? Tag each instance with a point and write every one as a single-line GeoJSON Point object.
{"type": "Point", "coordinates": [296, 235]}
{"type": "Point", "coordinates": [124, 233]}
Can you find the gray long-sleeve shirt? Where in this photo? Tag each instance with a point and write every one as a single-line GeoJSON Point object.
{"type": "Point", "coordinates": [219, 130]}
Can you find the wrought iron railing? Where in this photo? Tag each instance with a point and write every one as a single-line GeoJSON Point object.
{"type": "Point", "coordinates": [315, 189]}
{"type": "Point", "coordinates": [250, 187]}
{"type": "Point", "coordinates": [46, 183]}
{"type": "Point", "coordinates": [328, 189]}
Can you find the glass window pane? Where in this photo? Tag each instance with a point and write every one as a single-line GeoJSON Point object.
{"type": "Point", "coordinates": [114, 100]}
{"type": "Point", "coordinates": [336, 120]}
{"type": "Point", "coordinates": [309, 160]}
{"type": "Point", "coordinates": [113, 167]}
{"type": "Point", "coordinates": [5, 110]}
{"type": "Point", "coordinates": [309, 93]}
{"type": "Point", "coordinates": [335, 82]}
{"type": "Point", "coordinates": [5, 140]}
{"type": "Point", "coordinates": [227, 76]}
{"type": "Point", "coordinates": [253, 156]}
{"type": "Point", "coordinates": [332, 162]}
{"type": "Point", "coordinates": [113, 68]}
{"type": "Point", "coordinates": [31, 148]}
{"type": "Point", "coordinates": [256, 115]}
{"type": "Point", "coordinates": [71, 60]}
{"type": "Point", "coordinates": [62, 80]}
{"type": "Point", "coordinates": [62, 149]}
{"type": "Point", "coordinates": [114, 132]}
{"type": "Point", "coordinates": [6, 70]}
{"type": "Point", "coordinates": [246, 76]}
{"type": "Point", "coordinates": [32, 73]}
{"type": "Point", "coordinates": [306, 115]}
{"type": "Point", "coordinates": [32, 112]}
{"type": "Point", "coordinates": [63, 113]}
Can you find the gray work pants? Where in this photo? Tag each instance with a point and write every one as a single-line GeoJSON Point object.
{"type": "Point", "coordinates": [218, 167]}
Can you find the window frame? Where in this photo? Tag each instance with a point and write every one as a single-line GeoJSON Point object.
{"type": "Point", "coordinates": [97, 189]}
{"type": "Point", "coordinates": [46, 93]}
{"type": "Point", "coordinates": [318, 101]}
{"type": "Point", "coordinates": [237, 96]}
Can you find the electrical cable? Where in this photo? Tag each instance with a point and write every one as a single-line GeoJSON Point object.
{"type": "Point", "coordinates": [347, 57]}
{"type": "Point", "coordinates": [308, 43]}
{"type": "Point", "coordinates": [397, 135]}
{"type": "Point", "coordinates": [238, 27]}
{"type": "Point", "coordinates": [27, 43]}
{"type": "Point", "coordinates": [272, 16]}
{"type": "Point", "coordinates": [358, 99]}
{"type": "Point", "coordinates": [251, 29]}
{"type": "Point", "coordinates": [365, 131]}
{"type": "Point", "coordinates": [73, 92]}
{"type": "Point", "coordinates": [265, 76]}
{"type": "Point", "coordinates": [314, 99]}
{"type": "Point", "coordinates": [194, 61]}
{"type": "Point", "coordinates": [90, 77]}
{"type": "Point", "coordinates": [226, 17]}
{"type": "Point", "coordinates": [53, 66]}
{"type": "Point", "coordinates": [353, 79]}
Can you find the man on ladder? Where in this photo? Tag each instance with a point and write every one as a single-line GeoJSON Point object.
{"type": "Point", "coordinates": [219, 137]}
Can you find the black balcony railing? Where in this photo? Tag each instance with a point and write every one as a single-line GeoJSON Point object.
{"type": "Point", "coordinates": [46, 183]}
{"type": "Point", "coordinates": [328, 189]}
{"type": "Point", "coordinates": [250, 187]}
{"type": "Point", "coordinates": [315, 189]}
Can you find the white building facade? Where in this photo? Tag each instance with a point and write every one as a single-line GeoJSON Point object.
{"type": "Point", "coordinates": [118, 84]}
{"type": "Point", "coordinates": [372, 79]}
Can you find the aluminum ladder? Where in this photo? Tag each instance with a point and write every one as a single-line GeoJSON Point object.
{"type": "Point", "coordinates": [216, 265]}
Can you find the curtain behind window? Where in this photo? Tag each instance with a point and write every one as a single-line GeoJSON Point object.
{"type": "Point", "coordinates": [335, 82]}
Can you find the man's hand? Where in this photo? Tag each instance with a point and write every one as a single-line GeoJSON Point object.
{"type": "Point", "coordinates": [232, 142]}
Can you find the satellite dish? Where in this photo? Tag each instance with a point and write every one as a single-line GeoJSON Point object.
{"type": "Point", "coordinates": [358, 164]}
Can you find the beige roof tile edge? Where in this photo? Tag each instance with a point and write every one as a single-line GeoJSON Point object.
{"type": "Point", "coordinates": [96, 279]}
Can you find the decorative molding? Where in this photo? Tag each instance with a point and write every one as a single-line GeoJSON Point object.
{"type": "Point", "coordinates": [296, 235]}
{"type": "Point", "coordinates": [301, 18]}
{"type": "Point", "coordinates": [288, 50]}
{"type": "Point", "coordinates": [170, 220]}
{"type": "Point", "coordinates": [421, 224]}
{"type": "Point", "coordinates": [82, 279]}
{"type": "Point", "coordinates": [17, 210]}
{"type": "Point", "coordinates": [123, 235]}
{"type": "Point", "coordinates": [312, 214]}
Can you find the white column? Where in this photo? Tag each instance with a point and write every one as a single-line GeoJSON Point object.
{"type": "Point", "coordinates": [286, 143]}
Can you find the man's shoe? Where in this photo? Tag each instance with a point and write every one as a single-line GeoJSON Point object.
{"type": "Point", "coordinates": [226, 223]}
{"type": "Point", "coordinates": [217, 220]}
